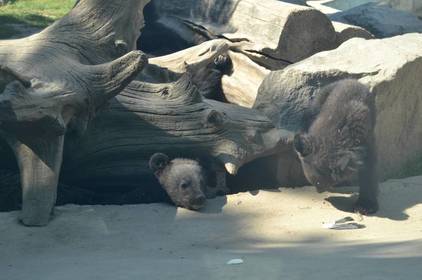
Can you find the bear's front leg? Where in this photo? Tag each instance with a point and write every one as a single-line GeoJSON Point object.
{"type": "Point", "coordinates": [367, 202]}
{"type": "Point", "coordinates": [216, 186]}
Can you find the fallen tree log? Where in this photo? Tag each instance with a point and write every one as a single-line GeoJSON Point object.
{"type": "Point", "coordinates": [58, 79]}
{"type": "Point", "coordinates": [169, 68]}
{"type": "Point", "coordinates": [272, 33]}
{"type": "Point", "coordinates": [109, 162]}
{"type": "Point", "coordinates": [72, 83]}
{"type": "Point", "coordinates": [241, 86]}
{"type": "Point", "coordinates": [238, 85]}
{"type": "Point", "coordinates": [171, 118]}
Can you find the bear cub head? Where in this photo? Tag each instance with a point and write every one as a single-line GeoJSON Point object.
{"type": "Point", "coordinates": [182, 179]}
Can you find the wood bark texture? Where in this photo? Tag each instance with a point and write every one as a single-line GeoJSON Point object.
{"type": "Point", "coordinates": [171, 118]}
{"type": "Point", "coordinates": [55, 86]}
{"type": "Point", "coordinates": [58, 79]}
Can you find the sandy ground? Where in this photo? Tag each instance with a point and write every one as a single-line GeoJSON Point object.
{"type": "Point", "coordinates": [278, 234]}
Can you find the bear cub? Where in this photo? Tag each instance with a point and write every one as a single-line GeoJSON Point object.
{"type": "Point", "coordinates": [338, 144]}
{"type": "Point", "coordinates": [182, 179]}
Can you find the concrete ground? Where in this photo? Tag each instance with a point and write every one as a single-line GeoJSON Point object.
{"type": "Point", "coordinates": [278, 234]}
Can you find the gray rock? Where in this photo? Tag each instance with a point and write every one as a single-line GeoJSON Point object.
{"type": "Point", "coordinates": [380, 19]}
{"type": "Point", "coordinates": [296, 2]}
{"type": "Point", "coordinates": [390, 67]}
{"type": "Point", "coordinates": [412, 6]}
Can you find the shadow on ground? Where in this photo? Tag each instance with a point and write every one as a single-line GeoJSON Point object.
{"type": "Point", "coordinates": [396, 196]}
{"type": "Point", "coordinates": [22, 26]}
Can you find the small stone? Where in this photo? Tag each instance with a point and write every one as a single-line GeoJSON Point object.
{"type": "Point", "coordinates": [235, 261]}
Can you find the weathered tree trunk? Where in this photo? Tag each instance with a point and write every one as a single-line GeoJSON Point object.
{"type": "Point", "coordinates": [42, 107]}
{"type": "Point", "coordinates": [39, 160]}
{"type": "Point", "coordinates": [270, 32]}
{"type": "Point", "coordinates": [172, 118]}
{"type": "Point", "coordinates": [241, 86]}
{"type": "Point", "coordinates": [169, 68]}
{"type": "Point", "coordinates": [58, 79]}
{"type": "Point", "coordinates": [168, 117]}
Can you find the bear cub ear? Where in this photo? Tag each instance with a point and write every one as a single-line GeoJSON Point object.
{"type": "Point", "coordinates": [303, 144]}
{"type": "Point", "coordinates": [158, 162]}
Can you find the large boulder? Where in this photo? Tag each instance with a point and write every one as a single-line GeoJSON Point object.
{"type": "Point", "coordinates": [390, 67]}
{"type": "Point", "coordinates": [380, 19]}
{"type": "Point", "coordinates": [412, 6]}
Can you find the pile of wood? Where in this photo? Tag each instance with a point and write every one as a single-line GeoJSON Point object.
{"type": "Point", "coordinates": [73, 106]}
{"type": "Point", "coordinates": [80, 105]}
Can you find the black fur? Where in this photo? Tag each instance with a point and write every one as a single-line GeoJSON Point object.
{"type": "Point", "coordinates": [338, 143]}
{"type": "Point", "coordinates": [208, 79]}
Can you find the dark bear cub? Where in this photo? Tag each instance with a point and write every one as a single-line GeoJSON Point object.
{"type": "Point", "coordinates": [208, 78]}
{"type": "Point", "coordinates": [338, 144]}
{"type": "Point", "coordinates": [182, 179]}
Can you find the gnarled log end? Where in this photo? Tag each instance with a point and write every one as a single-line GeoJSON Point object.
{"type": "Point", "coordinates": [231, 168]}
{"type": "Point", "coordinates": [7, 76]}
{"type": "Point", "coordinates": [115, 25]}
{"type": "Point", "coordinates": [194, 58]}
{"type": "Point", "coordinates": [109, 79]}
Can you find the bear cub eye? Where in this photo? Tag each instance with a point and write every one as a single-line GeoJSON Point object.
{"type": "Point", "coordinates": [185, 184]}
